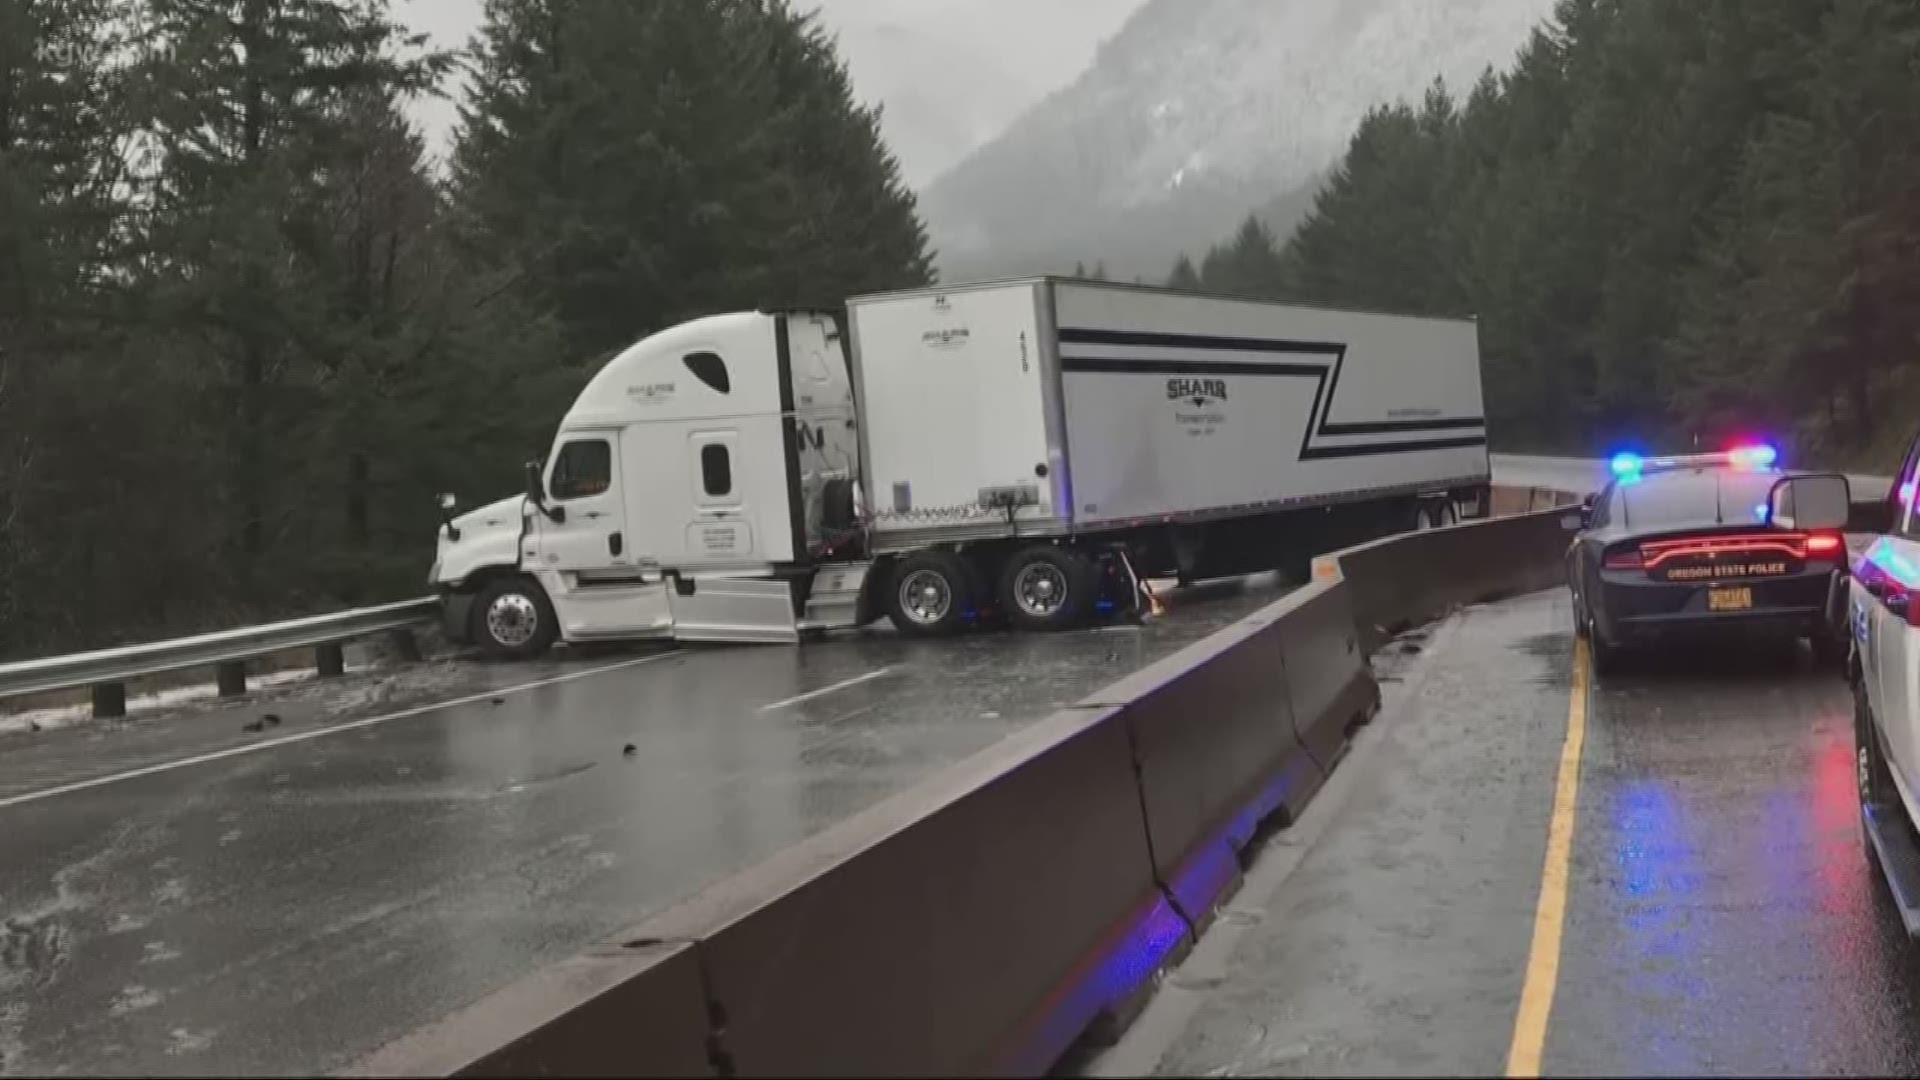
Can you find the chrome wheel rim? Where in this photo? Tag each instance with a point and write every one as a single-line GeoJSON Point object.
{"type": "Point", "coordinates": [926, 597]}
{"type": "Point", "coordinates": [512, 619]}
{"type": "Point", "coordinates": [1040, 589]}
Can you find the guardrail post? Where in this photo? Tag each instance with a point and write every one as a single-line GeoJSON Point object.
{"type": "Point", "coordinates": [329, 659]}
{"type": "Point", "coordinates": [110, 701]}
{"type": "Point", "coordinates": [405, 644]}
{"type": "Point", "coordinates": [232, 677]}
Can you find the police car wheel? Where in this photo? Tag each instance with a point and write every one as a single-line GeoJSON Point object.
{"type": "Point", "coordinates": [1870, 771]}
{"type": "Point", "coordinates": [1829, 648]}
{"type": "Point", "coordinates": [1605, 656]}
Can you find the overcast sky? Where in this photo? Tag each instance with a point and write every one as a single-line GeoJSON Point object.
{"type": "Point", "coordinates": [951, 73]}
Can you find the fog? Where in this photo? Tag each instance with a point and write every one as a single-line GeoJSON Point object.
{"type": "Point", "coordinates": [950, 74]}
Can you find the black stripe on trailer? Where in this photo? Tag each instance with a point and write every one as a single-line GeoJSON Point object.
{"type": "Point", "coordinates": [1191, 367]}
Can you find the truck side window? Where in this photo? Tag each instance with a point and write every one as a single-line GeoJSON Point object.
{"type": "Point", "coordinates": [716, 470]}
{"type": "Point", "coordinates": [709, 369]}
{"type": "Point", "coordinates": [583, 470]}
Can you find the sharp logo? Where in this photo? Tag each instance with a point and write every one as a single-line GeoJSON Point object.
{"type": "Point", "coordinates": [1200, 392]}
{"type": "Point", "coordinates": [947, 339]}
{"type": "Point", "coordinates": [651, 393]}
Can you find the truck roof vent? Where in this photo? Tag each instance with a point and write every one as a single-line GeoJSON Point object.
{"type": "Point", "coordinates": [709, 369]}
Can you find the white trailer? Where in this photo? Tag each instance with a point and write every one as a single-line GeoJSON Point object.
{"type": "Point", "coordinates": [1024, 451]}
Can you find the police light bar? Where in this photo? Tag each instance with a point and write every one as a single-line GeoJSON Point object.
{"type": "Point", "coordinates": [1757, 457]}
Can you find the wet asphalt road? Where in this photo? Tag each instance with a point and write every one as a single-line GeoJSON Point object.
{"type": "Point", "coordinates": [1720, 916]}
{"type": "Point", "coordinates": [290, 906]}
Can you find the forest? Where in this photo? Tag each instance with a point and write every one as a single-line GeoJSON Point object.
{"type": "Point", "coordinates": [1676, 222]}
{"type": "Point", "coordinates": [249, 326]}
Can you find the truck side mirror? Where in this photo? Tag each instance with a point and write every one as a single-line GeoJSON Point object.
{"type": "Point", "coordinates": [537, 494]}
{"type": "Point", "coordinates": [1805, 503]}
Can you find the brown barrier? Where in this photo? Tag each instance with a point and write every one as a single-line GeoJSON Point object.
{"type": "Point", "coordinates": [616, 1010]}
{"type": "Point", "coordinates": [978, 923]}
{"type": "Point", "coordinates": [1328, 675]}
{"type": "Point", "coordinates": [974, 925]}
{"type": "Point", "coordinates": [1214, 735]}
{"type": "Point", "coordinates": [1409, 580]}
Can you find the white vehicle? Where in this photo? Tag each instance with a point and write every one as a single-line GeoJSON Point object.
{"type": "Point", "coordinates": [1885, 672]}
{"type": "Point", "coordinates": [1028, 451]}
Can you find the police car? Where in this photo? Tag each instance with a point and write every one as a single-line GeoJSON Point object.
{"type": "Point", "coordinates": [1709, 542]}
{"type": "Point", "coordinates": [1885, 672]}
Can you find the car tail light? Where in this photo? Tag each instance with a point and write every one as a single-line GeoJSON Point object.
{"type": "Point", "coordinates": [1628, 559]}
{"type": "Point", "coordinates": [1822, 545]}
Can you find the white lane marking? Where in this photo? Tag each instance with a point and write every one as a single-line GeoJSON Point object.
{"type": "Point", "coordinates": [317, 733]}
{"type": "Point", "coordinates": [825, 690]}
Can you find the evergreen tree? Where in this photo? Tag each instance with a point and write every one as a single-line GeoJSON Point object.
{"type": "Point", "coordinates": [63, 127]}
{"type": "Point", "coordinates": [1185, 276]}
{"type": "Point", "coordinates": [638, 164]}
{"type": "Point", "coordinates": [253, 104]}
{"type": "Point", "coordinates": [1249, 265]}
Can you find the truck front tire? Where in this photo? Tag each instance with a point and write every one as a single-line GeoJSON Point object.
{"type": "Point", "coordinates": [513, 619]}
{"type": "Point", "coordinates": [930, 594]}
{"type": "Point", "coordinates": [1048, 588]}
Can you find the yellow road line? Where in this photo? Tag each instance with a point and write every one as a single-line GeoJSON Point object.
{"type": "Point", "coordinates": [1543, 960]}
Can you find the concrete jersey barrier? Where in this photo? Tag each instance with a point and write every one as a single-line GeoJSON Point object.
{"type": "Point", "coordinates": [1405, 581]}
{"type": "Point", "coordinates": [981, 922]}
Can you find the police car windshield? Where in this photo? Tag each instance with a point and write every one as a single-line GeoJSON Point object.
{"type": "Point", "coordinates": [1694, 497]}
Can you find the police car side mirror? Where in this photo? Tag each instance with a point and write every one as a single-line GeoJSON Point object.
{"type": "Point", "coordinates": [1805, 503]}
{"type": "Point", "coordinates": [1573, 522]}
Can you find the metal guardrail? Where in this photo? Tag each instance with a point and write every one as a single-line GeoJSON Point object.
{"type": "Point", "coordinates": [106, 671]}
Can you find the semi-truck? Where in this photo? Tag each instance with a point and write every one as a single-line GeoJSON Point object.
{"type": "Point", "coordinates": [1028, 453]}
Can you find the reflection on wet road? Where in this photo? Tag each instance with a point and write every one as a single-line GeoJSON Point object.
{"type": "Point", "coordinates": [1723, 918]}
{"type": "Point", "coordinates": [290, 906]}
{"type": "Point", "coordinates": [1720, 918]}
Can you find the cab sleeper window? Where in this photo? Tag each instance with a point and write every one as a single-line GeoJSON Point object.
{"type": "Point", "coordinates": [584, 469]}
{"type": "Point", "coordinates": [709, 369]}
{"type": "Point", "coordinates": [716, 470]}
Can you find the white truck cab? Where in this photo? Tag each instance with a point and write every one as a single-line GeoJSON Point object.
{"type": "Point", "coordinates": [694, 470]}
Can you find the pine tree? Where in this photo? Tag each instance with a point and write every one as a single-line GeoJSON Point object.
{"type": "Point", "coordinates": [62, 125]}
{"type": "Point", "coordinates": [253, 104]}
{"type": "Point", "coordinates": [638, 164]}
{"type": "Point", "coordinates": [1185, 276]}
{"type": "Point", "coordinates": [1249, 265]}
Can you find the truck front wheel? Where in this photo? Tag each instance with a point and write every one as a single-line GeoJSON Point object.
{"type": "Point", "coordinates": [1048, 588]}
{"type": "Point", "coordinates": [513, 619]}
{"type": "Point", "coordinates": [931, 594]}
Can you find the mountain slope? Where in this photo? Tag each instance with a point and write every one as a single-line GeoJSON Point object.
{"type": "Point", "coordinates": [1194, 113]}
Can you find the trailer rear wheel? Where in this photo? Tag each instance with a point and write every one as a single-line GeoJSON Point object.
{"type": "Point", "coordinates": [1048, 588]}
{"type": "Point", "coordinates": [931, 594]}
